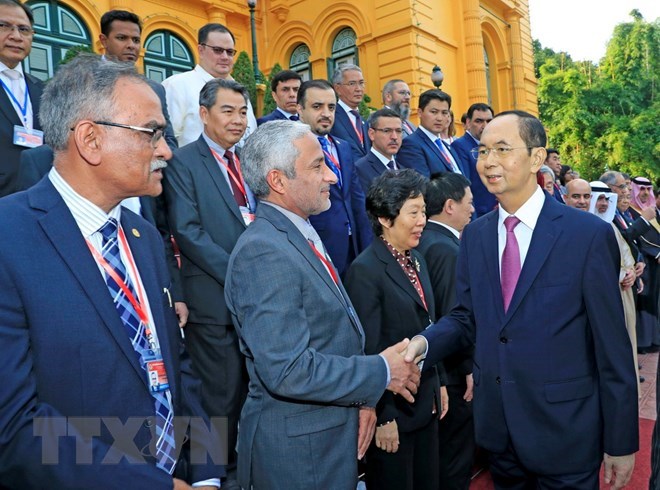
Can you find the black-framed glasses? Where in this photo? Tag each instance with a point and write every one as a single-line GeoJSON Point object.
{"type": "Point", "coordinates": [389, 131]}
{"type": "Point", "coordinates": [156, 133]}
{"type": "Point", "coordinates": [218, 50]}
{"type": "Point", "coordinates": [23, 30]}
{"type": "Point", "coordinates": [499, 151]}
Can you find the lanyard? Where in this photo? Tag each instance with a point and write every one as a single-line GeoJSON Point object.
{"type": "Point", "coordinates": [358, 131]}
{"type": "Point", "coordinates": [326, 263]}
{"type": "Point", "coordinates": [137, 304]}
{"type": "Point", "coordinates": [23, 108]}
{"type": "Point", "coordinates": [334, 165]}
{"type": "Point", "coordinates": [238, 180]}
{"type": "Point", "coordinates": [420, 291]}
{"type": "Point", "coordinates": [445, 154]}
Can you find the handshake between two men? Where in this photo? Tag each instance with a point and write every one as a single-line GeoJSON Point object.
{"type": "Point", "coordinates": [403, 359]}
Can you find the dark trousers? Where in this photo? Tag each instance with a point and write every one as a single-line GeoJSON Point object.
{"type": "Point", "coordinates": [654, 483]}
{"type": "Point", "coordinates": [456, 441]}
{"type": "Point", "coordinates": [412, 467]}
{"type": "Point", "coordinates": [219, 364]}
{"type": "Point", "coordinates": [509, 474]}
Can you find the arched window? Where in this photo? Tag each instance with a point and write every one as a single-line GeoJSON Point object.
{"type": "Point", "coordinates": [487, 64]}
{"type": "Point", "coordinates": [166, 55]}
{"type": "Point", "coordinates": [299, 62]}
{"type": "Point", "coordinates": [57, 28]}
{"type": "Point", "coordinates": [344, 50]}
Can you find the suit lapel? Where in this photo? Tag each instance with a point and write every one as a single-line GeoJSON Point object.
{"type": "Point", "coordinates": [35, 99]}
{"type": "Point", "coordinates": [544, 237]}
{"type": "Point", "coordinates": [143, 257]}
{"type": "Point", "coordinates": [8, 110]}
{"type": "Point", "coordinates": [434, 148]}
{"type": "Point", "coordinates": [488, 238]}
{"type": "Point", "coordinates": [395, 272]}
{"type": "Point", "coordinates": [209, 161]}
{"type": "Point", "coordinates": [63, 232]}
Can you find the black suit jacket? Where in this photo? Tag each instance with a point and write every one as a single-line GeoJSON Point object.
{"type": "Point", "coordinates": [37, 162]}
{"type": "Point", "coordinates": [390, 309]}
{"type": "Point", "coordinates": [632, 231]}
{"type": "Point", "coordinates": [206, 223]}
{"type": "Point", "coordinates": [343, 129]}
{"type": "Point", "coordinates": [368, 168]}
{"type": "Point", "coordinates": [8, 119]}
{"type": "Point", "coordinates": [440, 247]}
{"type": "Point", "coordinates": [276, 115]}
{"type": "Point", "coordinates": [168, 134]}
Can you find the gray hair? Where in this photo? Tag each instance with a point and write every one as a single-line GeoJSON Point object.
{"type": "Point", "coordinates": [388, 88]}
{"type": "Point", "coordinates": [547, 170]}
{"type": "Point", "coordinates": [271, 147]}
{"type": "Point", "coordinates": [209, 92]}
{"type": "Point", "coordinates": [338, 75]}
{"type": "Point", "coordinates": [81, 89]}
{"type": "Point", "coordinates": [609, 177]}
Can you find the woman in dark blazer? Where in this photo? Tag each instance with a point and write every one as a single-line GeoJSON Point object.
{"type": "Point", "coordinates": [390, 289]}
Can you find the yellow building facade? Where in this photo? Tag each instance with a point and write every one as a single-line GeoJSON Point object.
{"type": "Point", "coordinates": [484, 47]}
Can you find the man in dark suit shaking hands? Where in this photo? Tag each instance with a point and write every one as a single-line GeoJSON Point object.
{"type": "Point", "coordinates": [566, 379]}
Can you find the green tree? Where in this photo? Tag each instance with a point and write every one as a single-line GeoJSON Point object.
{"type": "Point", "coordinates": [269, 102]}
{"type": "Point", "coordinates": [74, 51]}
{"type": "Point", "coordinates": [243, 73]}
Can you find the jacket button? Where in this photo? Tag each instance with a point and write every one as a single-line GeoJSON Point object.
{"type": "Point", "coordinates": [498, 380]}
{"type": "Point", "coordinates": [149, 422]}
{"type": "Point", "coordinates": [503, 340]}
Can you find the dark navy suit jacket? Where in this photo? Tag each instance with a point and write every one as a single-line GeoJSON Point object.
{"type": "Point", "coordinates": [343, 129]}
{"type": "Point", "coordinates": [8, 119]}
{"type": "Point", "coordinates": [66, 352]}
{"type": "Point", "coordinates": [484, 201]}
{"type": "Point", "coordinates": [37, 162]}
{"type": "Point", "coordinates": [566, 378]}
{"type": "Point", "coordinates": [347, 209]}
{"type": "Point", "coordinates": [420, 153]}
{"type": "Point", "coordinates": [368, 168]}
{"type": "Point", "coordinates": [276, 115]}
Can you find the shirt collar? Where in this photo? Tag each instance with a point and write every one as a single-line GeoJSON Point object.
{"type": "Point", "coordinates": [303, 225]}
{"type": "Point", "coordinates": [88, 216]}
{"type": "Point", "coordinates": [455, 232]}
{"type": "Point", "coordinates": [205, 75]}
{"type": "Point", "coordinates": [345, 107]}
{"type": "Point", "coordinates": [428, 133]}
{"type": "Point", "coordinates": [472, 136]}
{"type": "Point", "coordinates": [528, 213]}
{"type": "Point", "coordinates": [287, 114]}
{"type": "Point", "coordinates": [214, 146]}
{"type": "Point", "coordinates": [384, 160]}
{"type": "Point", "coordinates": [18, 68]}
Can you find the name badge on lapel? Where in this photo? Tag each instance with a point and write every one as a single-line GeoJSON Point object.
{"type": "Point", "coordinates": [29, 138]}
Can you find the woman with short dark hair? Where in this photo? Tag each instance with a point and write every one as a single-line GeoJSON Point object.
{"type": "Point", "coordinates": [390, 288]}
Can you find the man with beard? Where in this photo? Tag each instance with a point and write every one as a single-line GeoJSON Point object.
{"type": "Point", "coordinates": [344, 228]}
{"type": "Point", "coordinates": [477, 117]}
{"type": "Point", "coordinates": [396, 96]}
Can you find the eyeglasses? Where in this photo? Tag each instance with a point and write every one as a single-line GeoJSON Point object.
{"type": "Point", "coordinates": [156, 133]}
{"type": "Point", "coordinates": [354, 84]}
{"type": "Point", "coordinates": [499, 152]}
{"type": "Point", "coordinates": [218, 50]}
{"type": "Point", "coordinates": [404, 92]}
{"type": "Point", "coordinates": [623, 187]}
{"type": "Point", "coordinates": [389, 131]}
{"type": "Point", "coordinates": [23, 30]}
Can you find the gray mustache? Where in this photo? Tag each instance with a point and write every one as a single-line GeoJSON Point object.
{"type": "Point", "coordinates": [157, 165]}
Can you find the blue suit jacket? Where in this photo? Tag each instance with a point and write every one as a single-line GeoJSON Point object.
{"type": "Point", "coordinates": [368, 168]}
{"type": "Point", "coordinates": [276, 115]}
{"type": "Point", "coordinates": [420, 153]}
{"type": "Point", "coordinates": [484, 201]}
{"type": "Point", "coordinates": [343, 129]}
{"type": "Point", "coordinates": [567, 377]}
{"type": "Point", "coordinates": [66, 352]}
{"type": "Point", "coordinates": [347, 208]}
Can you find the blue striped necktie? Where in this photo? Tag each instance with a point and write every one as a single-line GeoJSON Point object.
{"type": "Point", "coordinates": [165, 445]}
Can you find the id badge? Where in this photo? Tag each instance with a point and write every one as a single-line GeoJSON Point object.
{"type": "Point", "coordinates": [157, 375]}
{"type": "Point", "coordinates": [248, 216]}
{"type": "Point", "coordinates": [29, 138]}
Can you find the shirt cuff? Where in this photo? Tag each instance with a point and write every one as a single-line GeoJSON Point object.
{"type": "Point", "coordinates": [420, 364]}
{"type": "Point", "coordinates": [389, 377]}
{"type": "Point", "coordinates": [211, 482]}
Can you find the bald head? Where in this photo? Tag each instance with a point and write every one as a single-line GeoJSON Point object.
{"type": "Point", "coordinates": [578, 194]}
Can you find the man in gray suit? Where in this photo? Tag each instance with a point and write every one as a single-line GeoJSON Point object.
{"type": "Point", "coordinates": [305, 421]}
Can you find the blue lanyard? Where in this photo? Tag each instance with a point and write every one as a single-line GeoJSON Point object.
{"type": "Point", "coordinates": [23, 108]}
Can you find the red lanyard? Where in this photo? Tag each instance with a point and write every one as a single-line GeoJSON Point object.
{"type": "Point", "coordinates": [420, 290]}
{"type": "Point", "coordinates": [137, 304]}
{"type": "Point", "coordinates": [357, 130]}
{"type": "Point", "coordinates": [238, 180]}
{"type": "Point", "coordinates": [334, 161]}
{"type": "Point", "coordinates": [326, 262]}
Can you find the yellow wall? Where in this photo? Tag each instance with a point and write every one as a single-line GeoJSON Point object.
{"type": "Point", "coordinates": [395, 39]}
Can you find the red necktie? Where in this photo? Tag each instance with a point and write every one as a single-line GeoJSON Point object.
{"type": "Point", "coordinates": [238, 193]}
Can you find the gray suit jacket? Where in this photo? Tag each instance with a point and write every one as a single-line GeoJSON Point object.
{"type": "Point", "coordinates": [304, 349]}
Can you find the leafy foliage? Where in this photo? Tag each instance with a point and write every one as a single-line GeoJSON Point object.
{"type": "Point", "coordinates": [74, 51]}
{"type": "Point", "coordinates": [269, 102]}
{"type": "Point", "coordinates": [243, 73]}
{"type": "Point", "coordinates": [605, 116]}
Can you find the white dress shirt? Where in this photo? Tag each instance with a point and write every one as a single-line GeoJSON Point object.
{"type": "Point", "coordinates": [454, 232]}
{"type": "Point", "coordinates": [9, 83]}
{"type": "Point", "coordinates": [384, 159]}
{"type": "Point", "coordinates": [182, 93]}
{"type": "Point", "coordinates": [528, 214]}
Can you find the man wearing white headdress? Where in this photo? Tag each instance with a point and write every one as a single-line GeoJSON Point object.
{"type": "Point", "coordinates": [603, 205]}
